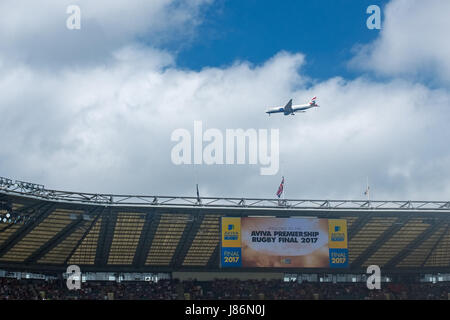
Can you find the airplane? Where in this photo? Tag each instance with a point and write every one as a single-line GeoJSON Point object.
{"type": "Point", "coordinates": [290, 109]}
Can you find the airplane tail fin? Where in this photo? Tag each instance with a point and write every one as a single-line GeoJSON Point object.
{"type": "Point", "coordinates": [313, 102]}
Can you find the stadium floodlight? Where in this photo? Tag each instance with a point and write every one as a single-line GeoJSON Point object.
{"type": "Point", "coordinates": [8, 215]}
{"type": "Point", "coordinates": [4, 220]}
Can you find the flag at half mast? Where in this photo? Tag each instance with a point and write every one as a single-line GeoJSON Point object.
{"type": "Point", "coordinates": [367, 192]}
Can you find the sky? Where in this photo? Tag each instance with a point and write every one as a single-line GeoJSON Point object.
{"type": "Point", "coordinates": [94, 109]}
{"type": "Point", "coordinates": [325, 31]}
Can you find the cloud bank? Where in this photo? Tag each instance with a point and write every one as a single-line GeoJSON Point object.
{"type": "Point", "coordinates": [106, 126]}
{"type": "Point", "coordinates": [412, 42]}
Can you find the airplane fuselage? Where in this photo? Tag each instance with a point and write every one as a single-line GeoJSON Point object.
{"type": "Point", "coordinates": [292, 110]}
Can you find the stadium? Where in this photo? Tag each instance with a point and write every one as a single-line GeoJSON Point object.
{"type": "Point", "coordinates": [162, 247]}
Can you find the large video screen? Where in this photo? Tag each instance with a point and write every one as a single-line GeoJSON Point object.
{"type": "Point", "coordinates": [254, 242]}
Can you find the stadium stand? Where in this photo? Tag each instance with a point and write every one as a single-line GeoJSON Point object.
{"type": "Point", "coordinates": [44, 231]}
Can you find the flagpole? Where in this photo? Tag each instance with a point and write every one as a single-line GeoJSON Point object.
{"type": "Point", "coordinates": [368, 190]}
{"type": "Point", "coordinates": [196, 183]}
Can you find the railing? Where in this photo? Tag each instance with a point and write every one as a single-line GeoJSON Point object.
{"type": "Point", "coordinates": [36, 191]}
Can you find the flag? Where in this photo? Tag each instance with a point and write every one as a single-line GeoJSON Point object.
{"type": "Point", "coordinates": [198, 194]}
{"type": "Point", "coordinates": [367, 191]}
{"type": "Point", "coordinates": [280, 189]}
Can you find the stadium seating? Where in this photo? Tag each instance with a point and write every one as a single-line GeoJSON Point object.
{"type": "Point", "coordinates": [13, 289]}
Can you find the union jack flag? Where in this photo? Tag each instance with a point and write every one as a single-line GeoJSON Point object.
{"type": "Point", "coordinates": [280, 189]}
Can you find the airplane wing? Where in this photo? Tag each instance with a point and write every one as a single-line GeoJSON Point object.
{"type": "Point", "coordinates": [288, 106]}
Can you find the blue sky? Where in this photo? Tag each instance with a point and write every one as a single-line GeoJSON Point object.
{"type": "Point", "coordinates": [326, 31]}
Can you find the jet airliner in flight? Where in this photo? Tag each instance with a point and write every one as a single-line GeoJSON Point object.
{"type": "Point", "coordinates": [291, 109]}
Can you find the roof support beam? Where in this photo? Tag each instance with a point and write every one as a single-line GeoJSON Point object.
{"type": "Point", "coordinates": [436, 244]}
{"type": "Point", "coordinates": [358, 225]}
{"type": "Point", "coordinates": [39, 215]}
{"type": "Point", "coordinates": [186, 240]}
{"type": "Point", "coordinates": [214, 261]}
{"type": "Point", "coordinates": [57, 239]}
{"type": "Point", "coordinates": [414, 244]}
{"type": "Point", "coordinates": [106, 237]}
{"type": "Point", "coordinates": [36, 192]}
{"type": "Point", "coordinates": [387, 234]}
{"type": "Point", "coordinates": [145, 241]}
{"type": "Point", "coordinates": [24, 210]}
{"type": "Point", "coordinates": [53, 242]}
{"type": "Point", "coordinates": [94, 221]}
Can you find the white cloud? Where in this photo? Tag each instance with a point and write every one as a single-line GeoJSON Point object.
{"type": "Point", "coordinates": [108, 129]}
{"type": "Point", "coordinates": [35, 32]}
{"type": "Point", "coordinates": [104, 124]}
{"type": "Point", "coordinates": [412, 42]}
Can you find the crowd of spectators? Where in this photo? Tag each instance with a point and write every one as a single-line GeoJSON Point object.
{"type": "Point", "coordinates": [279, 290]}
{"type": "Point", "coordinates": [13, 289]}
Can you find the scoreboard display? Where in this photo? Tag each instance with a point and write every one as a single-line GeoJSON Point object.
{"type": "Point", "coordinates": [284, 242]}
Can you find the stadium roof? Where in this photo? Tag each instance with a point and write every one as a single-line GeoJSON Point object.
{"type": "Point", "coordinates": [48, 230]}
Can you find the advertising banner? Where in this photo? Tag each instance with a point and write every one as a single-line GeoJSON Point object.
{"type": "Point", "coordinates": [254, 242]}
{"type": "Point", "coordinates": [230, 254]}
